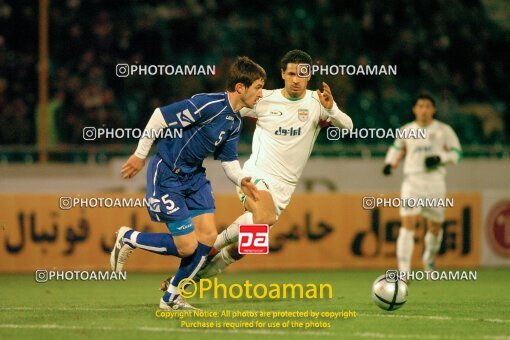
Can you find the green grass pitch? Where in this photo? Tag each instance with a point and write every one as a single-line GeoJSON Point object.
{"type": "Point", "coordinates": [126, 309]}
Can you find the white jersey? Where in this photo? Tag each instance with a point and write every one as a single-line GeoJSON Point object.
{"type": "Point", "coordinates": [440, 140]}
{"type": "Point", "coordinates": [286, 132]}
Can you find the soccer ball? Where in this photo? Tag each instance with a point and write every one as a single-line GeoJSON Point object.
{"type": "Point", "coordinates": [389, 294]}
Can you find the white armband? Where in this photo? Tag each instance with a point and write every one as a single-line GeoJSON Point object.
{"type": "Point", "coordinates": [233, 171]}
{"type": "Point", "coordinates": [156, 122]}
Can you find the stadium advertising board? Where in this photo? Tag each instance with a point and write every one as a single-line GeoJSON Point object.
{"type": "Point", "coordinates": [37, 233]}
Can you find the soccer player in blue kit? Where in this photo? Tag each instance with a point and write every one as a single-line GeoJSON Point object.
{"type": "Point", "coordinates": [178, 191]}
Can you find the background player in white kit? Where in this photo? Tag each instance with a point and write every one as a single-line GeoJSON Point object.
{"type": "Point", "coordinates": [424, 177]}
{"type": "Point", "coordinates": [288, 123]}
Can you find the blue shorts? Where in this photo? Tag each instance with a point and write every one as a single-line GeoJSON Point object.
{"type": "Point", "coordinates": [176, 197]}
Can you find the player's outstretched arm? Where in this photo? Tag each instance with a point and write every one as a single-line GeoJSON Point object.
{"type": "Point", "coordinates": [136, 162]}
{"type": "Point", "coordinates": [334, 114]}
{"type": "Point", "coordinates": [452, 152]}
{"type": "Point", "coordinates": [249, 188]}
{"type": "Point", "coordinates": [393, 157]}
{"type": "Point", "coordinates": [132, 166]}
{"type": "Point", "coordinates": [235, 174]}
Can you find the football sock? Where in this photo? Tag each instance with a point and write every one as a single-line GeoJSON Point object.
{"type": "Point", "coordinates": [231, 234]}
{"type": "Point", "coordinates": [218, 264]}
{"type": "Point", "coordinates": [188, 268]}
{"type": "Point", "coordinates": [432, 245]}
{"type": "Point", "coordinates": [159, 243]}
{"type": "Point", "coordinates": [405, 246]}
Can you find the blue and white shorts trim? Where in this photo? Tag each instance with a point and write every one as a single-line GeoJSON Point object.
{"type": "Point", "coordinates": [180, 228]}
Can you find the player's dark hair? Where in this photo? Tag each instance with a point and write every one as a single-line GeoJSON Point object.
{"type": "Point", "coordinates": [425, 96]}
{"type": "Point", "coordinates": [295, 57]}
{"type": "Point", "coordinates": [244, 71]}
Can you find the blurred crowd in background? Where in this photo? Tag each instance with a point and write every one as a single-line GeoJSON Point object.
{"type": "Point", "coordinates": [455, 50]}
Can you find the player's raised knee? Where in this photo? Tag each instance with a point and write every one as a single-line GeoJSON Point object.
{"type": "Point", "coordinates": [208, 236]}
{"type": "Point", "coordinates": [187, 248]}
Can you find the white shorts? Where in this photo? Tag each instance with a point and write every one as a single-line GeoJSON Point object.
{"type": "Point", "coordinates": [423, 187]}
{"type": "Point", "coordinates": [280, 192]}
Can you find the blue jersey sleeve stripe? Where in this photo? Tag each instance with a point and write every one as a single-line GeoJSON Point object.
{"type": "Point", "coordinates": [238, 128]}
{"type": "Point", "coordinates": [209, 103]}
{"type": "Point", "coordinates": [208, 94]}
{"type": "Point", "coordinates": [193, 105]}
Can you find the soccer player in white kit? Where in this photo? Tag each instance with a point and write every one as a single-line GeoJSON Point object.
{"type": "Point", "coordinates": [424, 177]}
{"type": "Point", "coordinates": [288, 123]}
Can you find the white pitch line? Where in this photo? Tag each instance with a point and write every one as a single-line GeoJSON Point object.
{"type": "Point", "coordinates": [436, 317]}
{"type": "Point", "coordinates": [242, 331]}
{"type": "Point", "coordinates": [422, 336]}
{"type": "Point", "coordinates": [247, 331]}
{"type": "Point", "coordinates": [299, 332]}
{"type": "Point", "coordinates": [424, 317]}
{"type": "Point", "coordinates": [69, 309]}
{"type": "Point", "coordinates": [50, 326]}
{"type": "Point", "coordinates": [404, 336]}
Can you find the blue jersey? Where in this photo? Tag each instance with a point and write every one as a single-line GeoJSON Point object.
{"type": "Point", "coordinates": [209, 127]}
